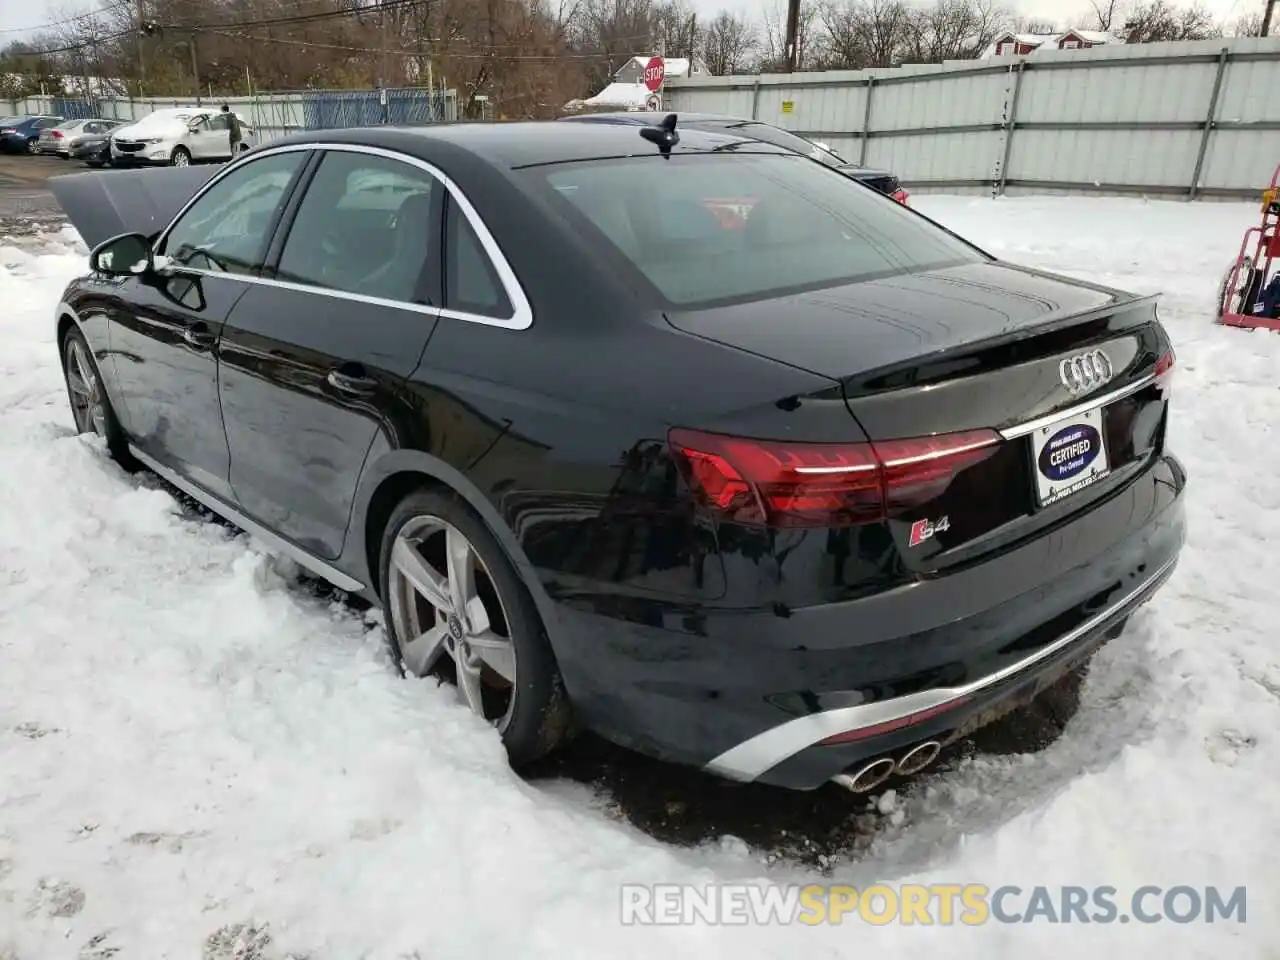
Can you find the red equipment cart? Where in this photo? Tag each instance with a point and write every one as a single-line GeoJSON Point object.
{"type": "Point", "coordinates": [1242, 299]}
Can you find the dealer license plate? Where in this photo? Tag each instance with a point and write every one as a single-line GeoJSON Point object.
{"type": "Point", "coordinates": [1068, 456]}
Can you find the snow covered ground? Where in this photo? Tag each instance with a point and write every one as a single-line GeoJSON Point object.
{"type": "Point", "coordinates": [200, 759]}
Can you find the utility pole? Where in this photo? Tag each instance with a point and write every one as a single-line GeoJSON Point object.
{"type": "Point", "coordinates": [142, 60]}
{"type": "Point", "coordinates": [1266, 18]}
{"type": "Point", "coordinates": [793, 41]}
{"type": "Point", "coordinates": [195, 65]}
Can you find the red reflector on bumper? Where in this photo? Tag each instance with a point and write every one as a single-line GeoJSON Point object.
{"type": "Point", "coordinates": [888, 726]}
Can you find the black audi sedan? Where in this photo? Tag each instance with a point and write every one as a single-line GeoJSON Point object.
{"type": "Point", "coordinates": [671, 435]}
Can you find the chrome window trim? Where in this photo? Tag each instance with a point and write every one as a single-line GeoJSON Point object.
{"type": "Point", "coordinates": [751, 758]}
{"type": "Point", "coordinates": [522, 311]}
{"type": "Point", "coordinates": [1049, 419]}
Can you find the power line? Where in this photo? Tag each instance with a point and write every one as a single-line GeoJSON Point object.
{"type": "Point", "coordinates": [387, 6]}
{"type": "Point", "coordinates": [432, 54]}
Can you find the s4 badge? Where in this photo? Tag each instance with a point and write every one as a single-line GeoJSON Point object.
{"type": "Point", "coordinates": [923, 530]}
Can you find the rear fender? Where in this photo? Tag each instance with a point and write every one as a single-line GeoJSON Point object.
{"type": "Point", "coordinates": [384, 472]}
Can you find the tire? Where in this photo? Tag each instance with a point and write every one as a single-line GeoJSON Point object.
{"type": "Point", "coordinates": [91, 409]}
{"type": "Point", "coordinates": [32, 148]}
{"type": "Point", "coordinates": [94, 163]}
{"type": "Point", "coordinates": [181, 157]}
{"type": "Point", "coordinates": [530, 707]}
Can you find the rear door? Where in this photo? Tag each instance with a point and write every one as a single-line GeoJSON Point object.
{"type": "Point", "coordinates": [313, 359]}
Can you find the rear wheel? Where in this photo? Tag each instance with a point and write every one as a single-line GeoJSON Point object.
{"type": "Point", "coordinates": [458, 610]}
{"type": "Point", "coordinates": [90, 406]}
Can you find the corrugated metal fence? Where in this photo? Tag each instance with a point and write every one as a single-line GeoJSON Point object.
{"type": "Point", "coordinates": [274, 115]}
{"type": "Point", "coordinates": [1196, 120]}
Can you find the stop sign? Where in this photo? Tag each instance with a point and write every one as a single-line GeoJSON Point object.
{"type": "Point", "coordinates": [655, 71]}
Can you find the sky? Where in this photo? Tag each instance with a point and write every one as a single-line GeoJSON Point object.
{"type": "Point", "coordinates": [18, 16]}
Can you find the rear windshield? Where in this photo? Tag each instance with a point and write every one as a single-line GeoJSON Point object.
{"type": "Point", "coordinates": [711, 229]}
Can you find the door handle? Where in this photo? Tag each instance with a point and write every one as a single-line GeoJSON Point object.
{"type": "Point", "coordinates": [198, 336]}
{"type": "Point", "coordinates": [356, 384]}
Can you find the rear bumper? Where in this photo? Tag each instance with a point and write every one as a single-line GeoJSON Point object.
{"type": "Point", "coordinates": [751, 695]}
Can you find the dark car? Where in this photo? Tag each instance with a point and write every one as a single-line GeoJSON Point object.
{"type": "Point", "coordinates": [882, 180]}
{"type": "Point", "coordinates": [672, 435]}
{"type": "Point", "coordinates": [21, 134]}
{"type": "Point", "coordinates": [93, 149]}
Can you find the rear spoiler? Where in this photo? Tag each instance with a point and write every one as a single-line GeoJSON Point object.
{"type": "Point", "coordinates": [105, 204]}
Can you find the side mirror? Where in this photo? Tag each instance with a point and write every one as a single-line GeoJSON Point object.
{"type": "Point", "coordinates": [126, 255]}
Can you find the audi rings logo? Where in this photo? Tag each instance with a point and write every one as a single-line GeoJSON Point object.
{"type": "Point", "coordinates": [1086, 371]}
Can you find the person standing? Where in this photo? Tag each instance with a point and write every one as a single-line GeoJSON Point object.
{"type": "Point", "coordinates": [233, 129]}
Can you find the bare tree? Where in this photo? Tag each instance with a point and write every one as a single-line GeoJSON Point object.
{"type": "Point", "coordinates": [1108, 14]}
{"type": "Point", "coordinates": [1153, 21]}
{"type": "Point", "coordinates": [729, 44]}
{"type": "Point", "coordinates": [810, 41]}
{"type": "Point", "coordinates": [675, 29]}
{"type": "Point", "coordinates": [1249, 25]}
{"type": "Point", "coordinates": [866, 33]}
{"type": "Point", "coordinates": [954, 30]}
{"type": "Point", "coordinates": [1035, 25]}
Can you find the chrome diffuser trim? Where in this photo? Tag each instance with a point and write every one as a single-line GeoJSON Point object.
{"type": "Point", "coordinates": [748, 760]}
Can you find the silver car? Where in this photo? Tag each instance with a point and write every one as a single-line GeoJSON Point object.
{"type": "Point", "coordinates": [63, 139]}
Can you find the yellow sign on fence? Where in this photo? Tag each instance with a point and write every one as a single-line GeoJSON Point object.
{"type": "Point", "coordinates": [788, 106]}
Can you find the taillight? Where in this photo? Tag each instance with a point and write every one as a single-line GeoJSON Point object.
{"type": "Point", "coordinates": [57, 134]}
{"type": "Point", "coordinates": [1164, 371]}
{"type": "Point", "coordinates": [784, 484]}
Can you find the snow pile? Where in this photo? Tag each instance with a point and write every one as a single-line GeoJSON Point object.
{"type": "Point", "coordinates": [198, 759]}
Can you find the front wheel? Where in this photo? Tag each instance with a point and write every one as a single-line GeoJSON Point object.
{"type": "Point", "coordinates": [90, 406]}
{"type": "Point", "coordinates": [181, 157]}
{"type": "Point", "coordinates": [458, 610]}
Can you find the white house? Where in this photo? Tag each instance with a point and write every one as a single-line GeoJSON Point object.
{"type": "Point", "coordinates": [1021, 44]}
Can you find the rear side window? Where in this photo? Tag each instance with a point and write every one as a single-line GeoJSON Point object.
{"type": "Point", "coordinates": [368, 225]}
{"type": "Point", "coordinates": [708, 229]}
{"type": "Point", "coordinates": [471, 283]}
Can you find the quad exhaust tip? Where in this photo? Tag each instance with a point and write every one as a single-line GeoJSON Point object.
{"type": "Point", "coordinates": [872, 774]}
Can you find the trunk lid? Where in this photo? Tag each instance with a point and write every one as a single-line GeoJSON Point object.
{"type": "Point", "coordinates": [973, 347]}
{"type": "Point", "coordinates": [104, 205]}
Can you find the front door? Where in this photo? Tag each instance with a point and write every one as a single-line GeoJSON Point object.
{"type": "Point", "coordinates": [165, 341]}
{"type": "Point", "coordinates": [312, 364]}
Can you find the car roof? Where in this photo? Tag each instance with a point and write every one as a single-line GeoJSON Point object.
{"type": "Point", "coordinates": [529, 143]}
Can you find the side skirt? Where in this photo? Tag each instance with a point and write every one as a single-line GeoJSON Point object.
{"type": "Point", "coordinates": [272, 540]}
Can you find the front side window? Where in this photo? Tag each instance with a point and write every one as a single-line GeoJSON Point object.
{"type": "Point", "coordinates": [227, 230]}
{"type": "Point", "coordinates": [369, 225]}
{"type": "Point", "coordinates": [717, 228]}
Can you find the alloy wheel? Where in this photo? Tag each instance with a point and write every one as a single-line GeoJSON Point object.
{"type": "Point", "coordinates": [86, 392]}
{"type": "Point", "coordinates": [180, 159]}
{"type": "Point", "coordinates": [446, 612]}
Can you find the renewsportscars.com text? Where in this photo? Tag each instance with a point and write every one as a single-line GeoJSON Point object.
{"type": "Point", "coordinates": [965, 904]}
